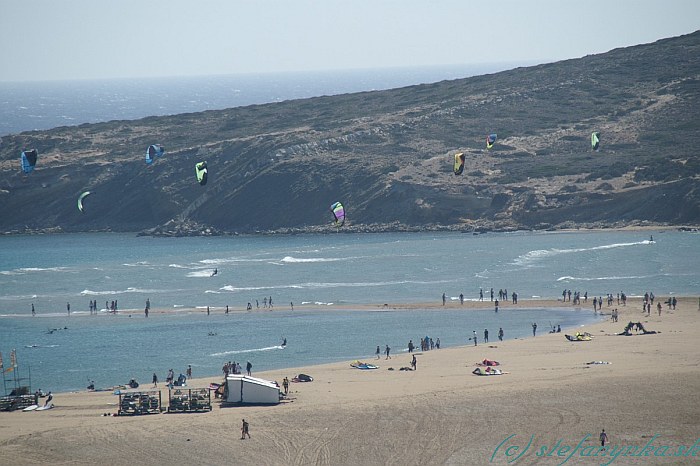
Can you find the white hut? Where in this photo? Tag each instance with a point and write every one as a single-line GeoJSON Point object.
{"type": "Point", "coordinates": [243, 389]}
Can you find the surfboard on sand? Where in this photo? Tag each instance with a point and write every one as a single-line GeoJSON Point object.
{"type": "Point", "coordinates": [31, 408]}
{"type": "Point", "coordinates": [44, 408]}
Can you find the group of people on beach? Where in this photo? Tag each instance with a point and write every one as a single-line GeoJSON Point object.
{"type": "Point", "coordinates": [233, 367]}
{"type": "Point", "coordinates": [502, 295]}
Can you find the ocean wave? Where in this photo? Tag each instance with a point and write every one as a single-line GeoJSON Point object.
{"type": "Point", "coordinates": [538, 254]}
{"type": "Point", "coordinates": [87, 292]}
{"type": "Point", "coordinates": [320, 285]}
{"type": "Point", "coordinates": [568, 278]}
{"type": "Point", "coordinates": [296, 260]}
{"type": "Point", "coordinates": [200, 273]}
{"type": "Point", "coordinates": [254, 350]}
{"type": "Point", "coordinates": [139, 264]}
{"type": "Point", "coordinates": [26, 270]}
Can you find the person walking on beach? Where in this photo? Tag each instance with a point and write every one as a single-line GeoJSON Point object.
{"type": "Point", "coordinates": [474, 337]}
{"type": "Point", "coordinates": [245, 430]}
{"type": "Point", "coordinates": [414, 363]}
{"type": "Point", "coordinates": [248, 367]}
{"type": "Point", "coordinates": [285, 385]}
{"type": "Point", "coordinates": [486, 335]}
{"type": "Point", "coordinates": [155, 380]}
{"type": "Point", "coordinates": [603, 438]}
{"type": "Point", "coordinates": [500, 333]}
{"type": "Point", "coordinates": [387, 350]}
{"type": "Point", "coordinates": [444, 298]}
{"type": "Point", "coordinates": [534, 329]}
{"type": "Point", "coordinates": [481, 294]}
{"type": "Point", "coordinates": [188, 372]}
{"type": "Point", "coordinates": [379, 351]}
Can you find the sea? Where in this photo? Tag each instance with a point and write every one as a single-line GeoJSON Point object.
{"type": "Point", "coordinates": [328, 293]}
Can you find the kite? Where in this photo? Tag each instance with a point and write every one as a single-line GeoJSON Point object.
{"type": "Point", "coordinates": [153, 151]}
{"type": "Point", "coordinates": [491, 140]}
{"type": "Point", "coordinates": [80, 200]}
{"type": "Point", "coordinates": [338, 214]}
{"type": "Point", "coordinates": [595, 140]}
{"type": "Point", "coordinates": [28, 159]}
{"type": "Point", "coordinates": [459, 163]}
{"type": "Point", "coordinates": [201, 170]}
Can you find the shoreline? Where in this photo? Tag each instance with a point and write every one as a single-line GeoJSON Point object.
{"type": "Point", "coordinates": [361, 229]}
{"type": "Point", "coordinates": [441, 412]}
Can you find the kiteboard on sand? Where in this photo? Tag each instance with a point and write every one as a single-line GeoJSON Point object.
{"type": "Point", "coordinates": [31, 408]}
{"type": "Point", "coordinates": [45, 407]}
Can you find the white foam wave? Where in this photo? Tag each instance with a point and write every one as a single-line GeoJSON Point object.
{"type": "Point", "coordinates": [320, 285]}
{"type": "Point", "coordinates": [568, 278]}
{"type": "Point", "coordinates": [26, 270]}
{"type": "Point", "coordinates": [533, 256]}
{"type": "Point", "coordinates": [138, 264]}
{"type": "Point", "coordinates": [301, 260]}
{"type": "Point", "coordinates": [254, 350]}
{"type": "Point", "coordinates": [87, 292]}
{"type": "Point", "coordinates": [200, 273]}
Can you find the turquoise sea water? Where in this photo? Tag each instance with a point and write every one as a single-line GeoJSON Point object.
{"type": "Point", "coordinates": [317, 270]}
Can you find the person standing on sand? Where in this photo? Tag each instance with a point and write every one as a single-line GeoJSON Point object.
{"type": "Point", "coordinates": [603, 438]}
{"type": "Point", "coordinates": [379, 351]}
{"type": "Point", "coordinates": [461, 298]}
{"type": "Point", "coordinates": [534, 329]}
{"type": "Point", "coordinates": [189, 371]}
{"type": "Point", "coordinates": [248, 367]}
{"type": "Point", "coordinates": [155, 380]}
{"type": "Point", "coordinates": [285, 385]}
{"type": "Point", "coordinates": [444, 298]}
{"type": "Point", "coordinates": [500, 333]}
{"type": "Point", "coordinates": [68, 308]}
{"type": "Point", "coordinates": [486, 335]}
{"type": "Point", "coordinates": [33, 311]}
{"type": "Point", "coordinates": [414, 363]}
{"type": "Point", "coordinates": [387, 350]}
{"type": "Point", "coordinates": [481, 294]}
{"type": "Point", "coordinates": [474, 337]}
{"type": "Point", "coordinates": [245, 430]}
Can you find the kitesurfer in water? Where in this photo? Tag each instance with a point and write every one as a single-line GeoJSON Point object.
{"type": "Point", "coordinates": [216, 271]}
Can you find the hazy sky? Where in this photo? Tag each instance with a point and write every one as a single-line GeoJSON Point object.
{"type": "Point", "coordinates": [68, 39]}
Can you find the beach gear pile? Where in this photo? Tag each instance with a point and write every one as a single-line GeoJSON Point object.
{"type": "Point", "coordinates": [303, 378]}
{"type": "Point", "coordinates": [579, 337]}
{"type": "Point", "coordinates": [488, 371]}
{"type": "Point", "coordinates": [362, 365]}
{"type": "Point", "coordinates": [488, 367]}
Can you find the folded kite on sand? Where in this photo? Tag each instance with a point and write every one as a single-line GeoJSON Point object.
{"type": "Point", "coordinates": [579, 337]}
{"type": "Point", "coordinates": [362, 365]}
{"type": "Point", "coordinates": [598, 362]}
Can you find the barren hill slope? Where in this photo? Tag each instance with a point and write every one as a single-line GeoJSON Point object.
{"type": "Point", "coordinates": [388, 156]}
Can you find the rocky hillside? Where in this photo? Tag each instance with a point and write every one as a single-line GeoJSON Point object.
{"type": "Point", "coordinates": [388, 157]}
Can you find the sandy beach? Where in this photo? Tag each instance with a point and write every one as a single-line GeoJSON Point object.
{"type": "Point", "coordinates": [441, 413]}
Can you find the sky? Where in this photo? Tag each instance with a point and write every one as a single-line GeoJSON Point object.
{"type": "Point", "coordinates": [104, 39]}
